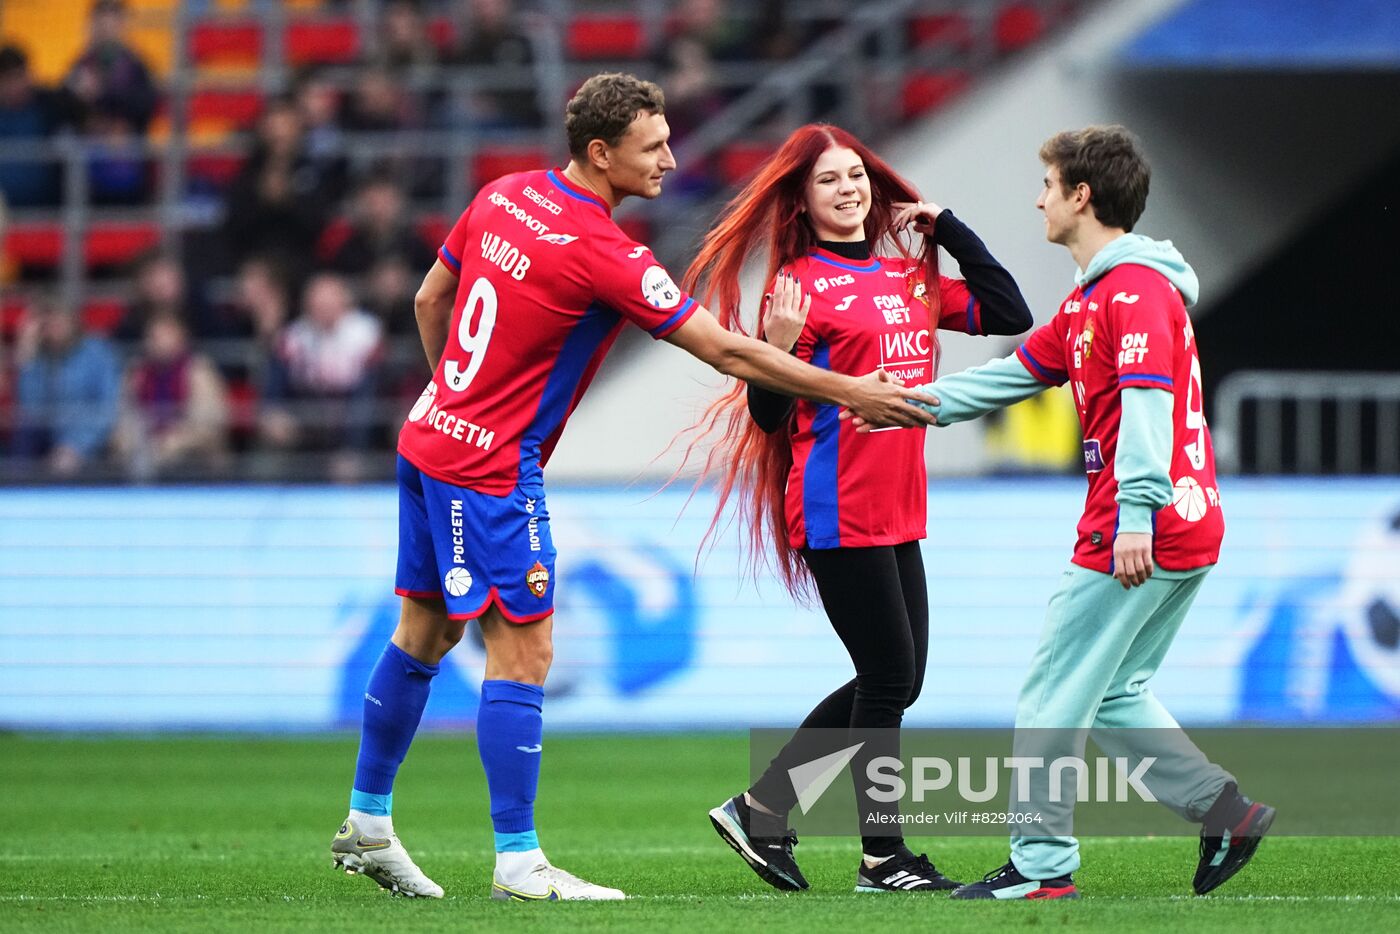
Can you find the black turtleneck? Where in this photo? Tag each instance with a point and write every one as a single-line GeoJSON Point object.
{"type": "Point", "coordinates": [1003, 309]}
{"type": "Point", "coordinates": [847, 249]}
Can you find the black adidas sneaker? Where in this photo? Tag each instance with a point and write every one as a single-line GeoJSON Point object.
{"type": "Point", "coordinates": [903, 872]}
{"type": "Point", "coordinates": [1230, 834]}
{"type": "Point", "coordinates": [763, 840]}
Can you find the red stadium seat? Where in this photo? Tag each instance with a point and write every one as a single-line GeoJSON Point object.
{"type": "Point", "coordinates": [950, 30]}
{"type": "Point", "coordinates": [107, 243]}
{"type": "Point", "coordinates": [35, 244]}
{"type": "Point", "coordinates": [442, 32]}
{"type": "Point", "coordinates": [243, 409]}
{"type": "Point", "coordinates": [117, 242]}
{"type": "Point", "coordinates": [596, 37]}
{"type": "Point", "coordinates": [240, 108]}
{"type": "Point", "coordinates": [432, 229]}
{"type": "Point", "coordinates": [102, 315]}
{"type": "Point", "coordinates": [925, 91]}
{"type": "Point", "coordinates": [322, 42]}
{"type": "Point", "coordinates": [493, 162]}
{"type": "Point", "coordinates": [333, 237]}
{"type": "Point", "coordinates": [636, 228]}
{"type": "Point", "coordinates": [1017, 26]}
{"type": "Point", "coordinates": [215, 169]}
{"type": "Point", "coordinates": [226, 43]}
{"type": "Point", "coordinates": [12, 314]}
{"type": "Point", "coordinates": [738, 161]}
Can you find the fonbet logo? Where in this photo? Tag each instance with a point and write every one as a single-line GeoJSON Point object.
{"type": "Point", "coordinates": [425, 402]}
{"type": "Point", "coordinates": [658, 289]}
{"type": "Point", "coordinates": [457, 582]}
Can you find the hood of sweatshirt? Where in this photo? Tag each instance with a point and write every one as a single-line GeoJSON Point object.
{"type": "Point", "coordinates": [1138, 250]}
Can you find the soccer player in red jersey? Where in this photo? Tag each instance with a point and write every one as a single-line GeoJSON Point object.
{"type": "Point", "coordinates": [528, 292]}
{"type": "Point", "coordinates": [1152, 522]}
{"type": "Point", "coordinates": [842, 511]}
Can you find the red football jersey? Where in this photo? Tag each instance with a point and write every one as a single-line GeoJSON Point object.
{"type": "Point", "coordinates": [1129, 328]}
{"type": "Point", "coordinates": [855, 490]}
{"type": "Point", "coordinates": [547, 280]}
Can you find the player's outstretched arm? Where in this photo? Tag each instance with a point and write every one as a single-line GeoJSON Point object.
{"type": "Point", "coordinates": [975, 392]}
{"type": "Point", "coordinates": [877, 398]}
{"type": "Point", "coordinates": [432, 306]}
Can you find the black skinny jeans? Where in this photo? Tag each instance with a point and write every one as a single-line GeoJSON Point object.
{"type": "Point", "coordinates": [877, 600]}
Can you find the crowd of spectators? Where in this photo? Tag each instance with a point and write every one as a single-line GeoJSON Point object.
{"type": "Point", "coordinates": [287, 330]}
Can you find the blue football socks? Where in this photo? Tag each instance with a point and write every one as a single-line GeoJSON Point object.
{"type": "Point", "coordinates": [394, 700]}
{"type": "Point", "coordinates": [509, 728]}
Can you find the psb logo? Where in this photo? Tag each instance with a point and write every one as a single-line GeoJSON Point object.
{"type": "Point", "coordinates": [831, 282]}
{"type": "Point", "coordinates": [557, 239]}
{"type": "Point", "coordinates": [537, 579]}
{"type": "Point", "coordinates": [457, 582]}
{"type": "Point", "coordinates": [425, 402]}
{"type": "Point", "coordinates": [658, 289]}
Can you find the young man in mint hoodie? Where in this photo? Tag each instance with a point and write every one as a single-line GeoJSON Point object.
{"type": "Point", "coordinates": [1151, 527]}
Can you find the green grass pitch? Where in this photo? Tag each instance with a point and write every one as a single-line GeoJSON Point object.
{"type": "Point", "coordinates": [232, 834]}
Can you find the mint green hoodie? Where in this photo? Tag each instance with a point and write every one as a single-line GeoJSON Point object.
{"type": "Point", "coordinates": [1142, 462]}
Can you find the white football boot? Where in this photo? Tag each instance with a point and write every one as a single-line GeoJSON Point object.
{"type": "Point", "coordinates": [383, 859]}
{"type": "Point", "coordinates": [546, 883]}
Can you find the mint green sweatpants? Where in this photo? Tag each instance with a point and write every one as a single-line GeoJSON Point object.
{"type": "Point", "coordinates": [1100, 646]}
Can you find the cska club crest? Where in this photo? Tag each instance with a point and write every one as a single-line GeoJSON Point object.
{"type": "Point", "coordinates": [537, 579]}
{"type": "Point", "coordinates": [920, 292]}
{"type": "Point", "coordinates": [1088, 337]}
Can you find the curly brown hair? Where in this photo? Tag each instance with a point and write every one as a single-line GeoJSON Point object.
{"type": "Point", "coordinates": [605, 107]}
{"type": "Point", "coordinates": [1111, 161]}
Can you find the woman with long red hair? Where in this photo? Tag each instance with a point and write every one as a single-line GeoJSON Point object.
{"type": "Point", "coordinates": [841, 512]}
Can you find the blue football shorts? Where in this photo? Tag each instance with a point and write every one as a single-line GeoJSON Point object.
{"type": "Point", "coordinates": [472, 549]}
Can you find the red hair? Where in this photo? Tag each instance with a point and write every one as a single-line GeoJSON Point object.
{"type": "Point", "coordinates": [769, 212]}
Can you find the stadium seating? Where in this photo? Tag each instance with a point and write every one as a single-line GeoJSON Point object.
{"type": "Point", "coordinates": [106, 243]}
{"type": "Point", "coordinates": [598, 37]}
{"type": "Point", "coordinates": [494, 161]}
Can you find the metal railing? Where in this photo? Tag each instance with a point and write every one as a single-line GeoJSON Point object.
{"type": "Point", "coordinates": [1273, 421]}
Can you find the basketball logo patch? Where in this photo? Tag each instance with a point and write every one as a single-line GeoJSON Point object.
{"type": "Point", "coordinates": [537, 579]}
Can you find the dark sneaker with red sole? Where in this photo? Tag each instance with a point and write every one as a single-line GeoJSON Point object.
{"type": "Point", "coordinates": [1225, 851]}
{"type": "Point", "coordinates": [1007, 883]}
